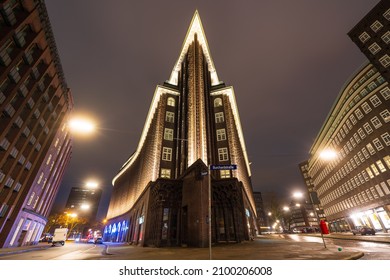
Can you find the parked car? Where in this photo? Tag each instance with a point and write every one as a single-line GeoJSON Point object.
{"type": "Point", "coordinates": [363, 230]}
{"type": "Point", "coordinates": [99, 240]}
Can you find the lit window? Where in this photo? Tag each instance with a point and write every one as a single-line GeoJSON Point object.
{"type": "Point", "coordinates": [386, 138]}
{"type": "Point", "coordinates": [170, 117]}
{"type": "Point", "coordinates": [225, 174]}
{"type": "Point", "coordinates": [171, 101]}
{"type": "Point", "coordinates": [385, 114]}
{"type": "Point", "coordinates": [387, 161]}
{"type": "Point", "coordinates": [382, 168]}
{"type": "Point", "coordinates": [364, 37]}
{"type": "Point", "coordinates": [217, 102]}
{"type": "Point", "coordinates": [375, 101]}
{"type": "Point", "coordinates": [376, 26]}
{"type": "Point", "coordinates": [374, 48]}
{"type": "Point", "coordinates": [219, 117]}
{"type": "Point", "coordinates": [365, 153]}
{"type": "Point", "coordinates": [167, 154]}
{"type": "Point", "coordinates": [165, 173]}
{"type": "Point", "coordinates": [385, 60]}
{"type": "Point", "coordinates": [376, 122]}
{"type": "Point", "coordinates": [168, 134]}
{"type": "Point", "coordinates": [366, 107]}
{"type": "Point", "coordinates": [31, 198]}
{"type": "Point", "coordinates": [221, 134]}
{"type": "Point", "coordinates": [385, 93]}
{"type": "Point", "coordinates": [223, 154]}
{"type": "Point", "coordinates": [48, 159]}
{"type": "Point", "coordinates": [386, 37]}
{"type": "Point", "coordinates": [378, 145]}
{"type": "Point", "coordinates": [370, 172]}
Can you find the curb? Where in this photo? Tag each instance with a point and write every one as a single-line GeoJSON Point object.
{"type": "Point", "coordinates": [355, 256]}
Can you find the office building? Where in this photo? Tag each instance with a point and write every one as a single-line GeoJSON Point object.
{"type": "Point", "coordinates": [372, 36]}
{"type": "Point", "coordinates": [161, 195]}
{"type": "Point", "coordinates": [35, 102]}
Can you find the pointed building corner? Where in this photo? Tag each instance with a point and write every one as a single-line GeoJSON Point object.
{"type": "Point", "coordinates": [195, 27]}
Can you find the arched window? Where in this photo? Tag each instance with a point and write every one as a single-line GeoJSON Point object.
{"type": "Point", "coordinates": [171, 101]}
{"type": "Point", "coordinates": [217, 102]}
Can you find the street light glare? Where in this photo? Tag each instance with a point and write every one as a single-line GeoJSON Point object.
{"type": "Point", "coordinates": [328, 154]}
{"type": "Point", "coordinates": [298, 195]}
{"type": "Point", "coordinates": [91, 184]}
{"type": "Point", "coordinates": [81, 126]}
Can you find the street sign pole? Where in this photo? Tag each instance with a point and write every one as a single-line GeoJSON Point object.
{"type": "Point", "coordinates": [209, 211]}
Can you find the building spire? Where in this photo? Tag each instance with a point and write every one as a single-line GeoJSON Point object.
{"type": "Point", "coordinates": [196, 27]}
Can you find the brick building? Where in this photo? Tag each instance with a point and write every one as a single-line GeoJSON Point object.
{"type": "Point", "coordinates": [160, 195]}
{"type": "Point", "coordinates": [35, 102]}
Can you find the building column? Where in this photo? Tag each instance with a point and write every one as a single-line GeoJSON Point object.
{"type": "Point", "coordinates": [380, 221]}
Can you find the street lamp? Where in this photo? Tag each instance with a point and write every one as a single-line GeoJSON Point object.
{"type": "Point", "coordinates": [81, 125]}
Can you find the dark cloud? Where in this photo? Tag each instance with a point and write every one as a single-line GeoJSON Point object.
{"type": "Point", "coordinates": [287, 61]}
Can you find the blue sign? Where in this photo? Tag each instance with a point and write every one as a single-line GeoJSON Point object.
{"type": "Point", "coordinates": [223, 167]}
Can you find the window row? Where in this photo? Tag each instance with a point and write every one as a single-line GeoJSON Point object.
{"type": "Point", "coordinates": [361, 178]}
{"type": "Point", "coordinates": [363, 197]}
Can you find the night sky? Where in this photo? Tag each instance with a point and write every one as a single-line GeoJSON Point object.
{"type": "Point", "coordinates": [287, 61]}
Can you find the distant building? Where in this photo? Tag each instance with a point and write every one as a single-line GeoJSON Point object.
{"type": "Point", "coordinates": [354, 186]}
{"type": "Point", "coordinates": [302, 216]}
{"type": "Point", "coordinates": [35, 102]}
{"type": "Point", "coordinates": [372, 36]}
{"type": "Point", "coordinates": [160, 196]}
{"type": "Point", "coordinates": [84, 201]}
{"type": "Point", "coordinates": [261, 220]}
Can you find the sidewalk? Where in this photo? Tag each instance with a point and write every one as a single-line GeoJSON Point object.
{"type": "Point", "coordinates": [378, 237]}
{"type": "Point", "coordinates": [264, 247]}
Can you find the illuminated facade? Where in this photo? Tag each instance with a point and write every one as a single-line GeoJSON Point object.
{"type": "Point", "coordinates": [160, 195]}
{"type": "Point", "coordinates": [354, 187]}
{"type": "Point", "coordinates": [35, 102]}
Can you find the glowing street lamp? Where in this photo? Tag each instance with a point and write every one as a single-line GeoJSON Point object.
{"type": "Point", "coordinates": [85, 206]}
{"type": "Point", "coordinates": [92, 184]}
{"type": "Point", "coordinates": [81, 126]}
{"type": "Point", "coordinates": [328, 154]}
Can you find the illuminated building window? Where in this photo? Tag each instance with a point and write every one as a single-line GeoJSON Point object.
{"type": "Point", "coordinates": [386, 138]}
{"type": "Point", "coordinates": [386, 37]}
{"type": "Point", "coordinates": [221, 134]}
{"type": "Point", "coordinates": [217, 102]}
{"type": "Point", "coordinates": [374, 48]}
{"type": "Point", "coordinates": [356, 136]}
{"type": "Point", "coordinates": [370, 172]}
{"type": "Point", "coordinates": [385, 60]}
{"type": "Point", "coordinates": [376, 122]}
{"type": "Point", "coordinates": [378, 145]}
{"type": "Point", "coordinates": [165, 173]}
{"type": "Point", "coordinates": [385, 93]}
{"type": "Point", "coordinates": [380, 165]}
{"type": "Point", "coordinates": [31, 198]}
{"type": "Point", "coordinates": [170, 117]}
{"type": "Point", "coordinates": [223, 154]}
{"type": "Point", "coordinates": [364, 37]}
{"type": "Point", "coordinates": [168, 134]}
{"type": "Point", "coordinates": [219, 117]}
{"type": "Point", "coordinates": [375, 101]}
{"type": "Point", "coordinates": [225, 174]}
{"type": "Point", "coordinates": [387, 161]}
{"type": "Point", "coordinates": [167, 154]}
{"type": "Point", "coordinates": [171, 101]}
{"type": "Point", "coordinates": [366, 107]}
{"type": "Point", "coordinates": [376, 26]}
{"type": "Point", "coordinates": [385, 115]}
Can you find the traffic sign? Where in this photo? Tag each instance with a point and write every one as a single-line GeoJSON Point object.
{"type": "Point", "coordinates": [223, 167]}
